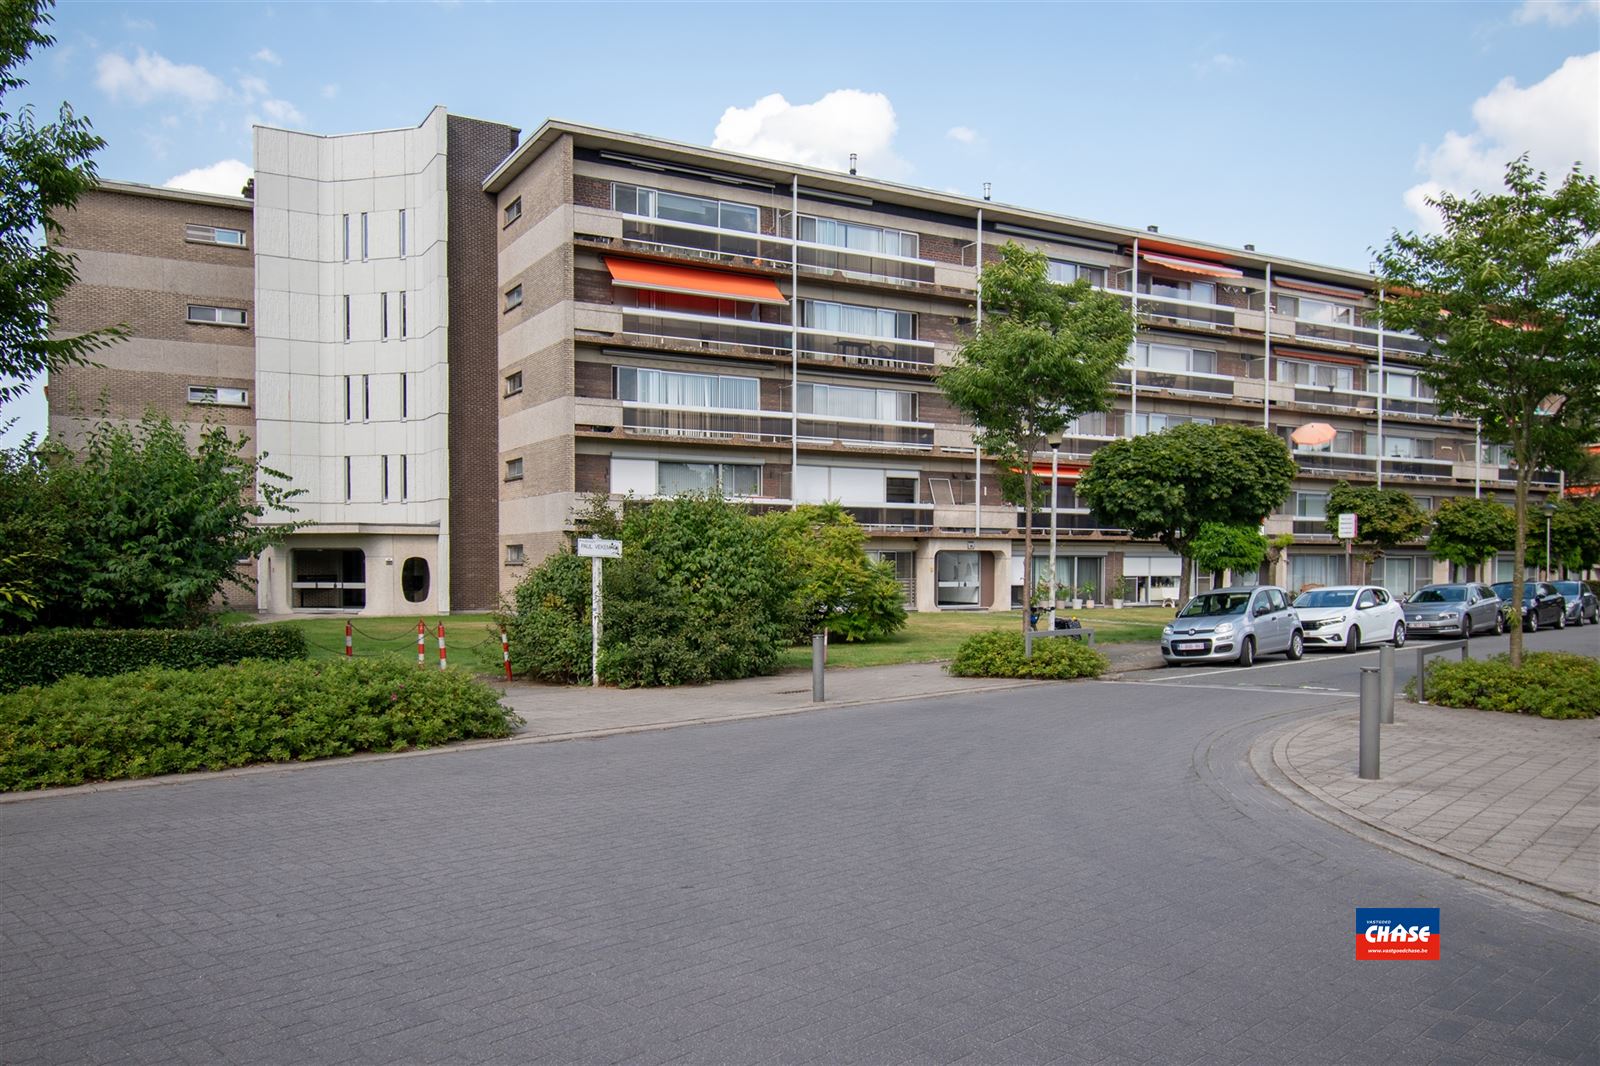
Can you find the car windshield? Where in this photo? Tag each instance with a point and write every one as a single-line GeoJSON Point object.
{"type": "Point", "coordinates": [1212, 603]}
{"type": "Point", "coordinates": [1568, 588]}
{"type": "Point", "coordinates": [1503, 589]}
{"type": "Point", "coordinates": [1444, 595]}
{"type": "Point", "coordinates": [1326, 598]}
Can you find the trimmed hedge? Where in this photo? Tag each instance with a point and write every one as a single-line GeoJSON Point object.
{"type": "Point", "coordinates": [162, 721]}
{"type": "Point", "coordinates": [1550, 684]}
{"type": "Point", "coordinates": [44, 657]}
{"type": "Point", "coordinates": [999, 653]}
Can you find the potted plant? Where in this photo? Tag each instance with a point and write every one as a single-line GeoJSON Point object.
{"type": "Point", "coordinates": [1086, 593]}
{"type": "Point", "coordinates": [1123, 592]}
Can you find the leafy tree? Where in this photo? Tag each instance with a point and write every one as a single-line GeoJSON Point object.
{"type": "Point", "coordinates": [1468, 530]}
{"type": "Point", "coordinates": [1165, 486]}
{"type": "Point", "coordinates": [1575, 533]}
{"type": "Point", "coordinates": [1385, 518]}
{"type": "Point", "coordinates": [837, 587]}
{"type": "Point", "coordinates": [138, 529]}
{"type": "Point", "coordinates": [1216, 547]}
{"type": "Point", "coordinates": [1045, 354]}
{"type": "Point", "coordinates": [43, 171]}
{"type": "Point", "coordinates": [1508, 298]}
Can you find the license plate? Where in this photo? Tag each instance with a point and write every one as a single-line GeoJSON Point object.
{"type": "Point", "coordinates": [1190, 646]}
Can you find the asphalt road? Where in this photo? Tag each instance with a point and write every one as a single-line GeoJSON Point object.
{"type": "Point", "coordinates": [1340, 672]}
{"type": "Point", "coordinates": [1085, 872]}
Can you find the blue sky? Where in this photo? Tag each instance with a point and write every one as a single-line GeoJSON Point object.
{"type": "Point", "coordinates": [1310, 130]}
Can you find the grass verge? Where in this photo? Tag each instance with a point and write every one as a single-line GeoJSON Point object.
{"type": "Point", "coordinates": [468, 638]}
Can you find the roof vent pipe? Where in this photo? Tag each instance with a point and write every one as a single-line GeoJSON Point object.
{"type": "Point", "coordinates": [1249, 247]}
{"type": "Point", "coordinates": [852, 163]}
{"type": "Point", "coordinates": [1153, 229]}
{"type": "Point", "coordinates": [986, 189]}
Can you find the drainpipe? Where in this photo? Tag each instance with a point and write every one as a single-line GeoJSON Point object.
{"type": "Point", "coordinates": [1380, 393]}
{"type": "Point", "coordinates": [1133, 357]}
{"type": "Point", "coordinates": [977, 453]}
{"type": "Point", "coordinates": [794, 344]}
{"type": "Point", "coordinates": [1266, 366]}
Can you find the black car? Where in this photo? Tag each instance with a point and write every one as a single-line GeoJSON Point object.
{"type": "Point", "coordinates": [1542, 605]}
{"type": "Point", "coordinates": [1583, 606]}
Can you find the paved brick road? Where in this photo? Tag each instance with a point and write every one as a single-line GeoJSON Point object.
{"type": "Point", "coordinates": [1079, 873]}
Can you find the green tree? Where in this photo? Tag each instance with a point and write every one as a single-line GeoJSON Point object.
{"type": "Point", "coordinates": [1508, 298]}
{"type": "Point", "coordinates": [1468, 530]}
{"type": "Point", "coordinates": [1044, 354]}
{"type": "Point", "coordinates": [1575, 533]}
{"type": "Point", "coordinates": [1385, 518]}
{"type": "Point", "coordinates": [43, 171]}
{"type": "Point", "coordinates": [1165, 486]}
{"type": "Point", "coordinates": [837, 587]}
{"type": "Point", "coordinates": [1216, 547]}
{"type": "Point", "coordinates": [138, 528]}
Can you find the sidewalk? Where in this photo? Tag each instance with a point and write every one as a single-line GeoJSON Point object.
{"type": "Point", "coordinates": [1515, 796]}
{"type": "Point", "coordinates": [559, 711]}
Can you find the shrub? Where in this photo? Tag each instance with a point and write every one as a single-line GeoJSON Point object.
{"type": "Point", "coordinates": [999, 653]}
{"type": "Point", "coordinates": [1550, 684]}
{"type": "Point", "coordinates": [549, 621]}
{"type": "Point", "coordinates": [836, 587]}
{"type": "Point", "coordinates": [160, 721]}
{"type": "Point", "coordinates": [46, 656]}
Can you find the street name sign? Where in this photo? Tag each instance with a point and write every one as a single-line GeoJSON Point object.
{"type": "Point", "coordinates": [595, 548]}
{"type": "Point", "coordinates": [1347, 526]}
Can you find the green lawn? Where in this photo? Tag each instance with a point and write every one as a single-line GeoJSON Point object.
{"type": "Point", "coordinates": [933, 635]}
{"type": "Point", "coordinates": [467, 638]}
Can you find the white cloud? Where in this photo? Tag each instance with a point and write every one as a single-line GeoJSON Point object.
{"type": "Point", "coordinates": [282, 112]}
{"type": "Point", "coordinates": [134, 25]}
{"type": "Point", "coordinates": [267, 55]}
{"type": "Point", "coordinates": [963, 134]}
{"type": "Point", "coordinates": [1554, 12]}
{"type": "Point", "coordinates": [1218, 63]}
{"type": "Point", "coordinates": [821, 134]}
{"type": "Point", "coordinates": [253, 87]}
{"type": "Point", "coordinates": [1556, 121]}
{"type": "Point", "coordinates": [330, 91]}
{"type": "Point", "coordinates": [226, 177]}
{"type": "Point", "coordinates": [150, 76]}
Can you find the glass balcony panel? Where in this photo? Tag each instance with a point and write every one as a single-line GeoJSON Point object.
{"type": "Point", "coordinates": [705, 425]}
{"type": "Point", "coordinates": [706, 331]}
{"type": "Point", "coordinates": [865, 433]}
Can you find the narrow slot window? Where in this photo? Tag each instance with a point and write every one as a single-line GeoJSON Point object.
{"type": "Point", "coordinates": [383, 316]}
{"type": "Point", "coordinates": [364, 244]}
{"type": "Point", "coordinates": [405, 326]}
{"type": "Point", "coordinates": [383, 481]}
{"type": "Point", "coordinates": [366, 398]}
{"type": "Point", "coordinates": [349, 389]}
{"type": "Point", "coordinates": [349, 487]}
{"type": "Point", "coordinates": [405, 477]}
{"type": "Point", "coordinates": [402, 233]}
{"type": "Point", "coordinates": [405, 395]}
{"type": "Point", "coordinates": [346, 232]}
{"type": "Point", "coordinates": [347, 318]}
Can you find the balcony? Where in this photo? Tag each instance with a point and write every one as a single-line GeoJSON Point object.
{"type": "Point", "coordinates": [1193, 384]}
{"type": "Point", "coordinates": [709, 243]}
{"type": "Point", "coordinates": [852, 349]}
{"type": "Point", "coordinates": [707, 331]}
{"type": "Point", "coordinates": [705, 423]}
{"type": "Point", "coordinates": [865, 433]}
{"type": "Point", "coordinates": [893, 517]}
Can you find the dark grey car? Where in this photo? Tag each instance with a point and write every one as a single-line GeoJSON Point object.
{"type": "Point", "coordinates": [1454, 610]}
{"type": "Point", "coordinates": [1583, 606]}
{"type": "Point", "coordinates": [1542, 605]}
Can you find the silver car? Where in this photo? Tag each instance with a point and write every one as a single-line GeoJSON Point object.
{"type": "Point", "coordinates": [1233, 624]}
{"type": "Point", "coordinates": [1583, 607]}
{"type": "Point", "coordinates": [1455, 610]}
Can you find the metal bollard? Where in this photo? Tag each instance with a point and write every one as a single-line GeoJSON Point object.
{"type": "Point", "coordinates": [819, 652]}
{"type": "Point", "coordinates": [1367, 758]}
{"type": "Point", "coordinates": [1386, 683]}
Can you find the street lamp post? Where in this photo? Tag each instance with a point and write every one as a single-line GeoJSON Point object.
{"type": "Point", "coordinates": [1549, 512]}
{"type": "Point", "coordinates": [1055, 499]}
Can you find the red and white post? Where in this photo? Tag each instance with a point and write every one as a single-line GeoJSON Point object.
{"type": "Point", "coordinates": [422, 636]}
{"type": "Point", "coordinates": [349, 641]}
{"type": "Point", "coordinates": [505, 652]}
{"type": "Point", "coordinates": [441, 645]}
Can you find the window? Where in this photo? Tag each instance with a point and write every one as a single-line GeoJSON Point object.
{"type": "Point", "coordinates": [1311, 505]}
{"type": "Point", "coordinates": [405, 327]}
{"type": "Point", "coordinates": [1172, 359]}
{"type": "Point", "coordinates": [1318, 375]}
{"type": "Point", "coordinates": [514, 298]}
{"type": "Point", "coordinates": [405, 395]}
{"type": "Point", "coordinates": [349, 486]}
{"type": "Point", "coordinates": [383, 478]}
{"type": "Point", "coordinates": [843, 401]}
{"type": "Point", "coordinates": [1308, 310]}
{"type": "Point", "coordinates": [873, 240]}
{"type": "Point", "coordinates": [198, 234]}
{"type": "Point", "coordinates": [853, 318]}
{"type": "Point", "coordinates": [405, 477]}
{"type": "Point", "coordinates": [1155, 423]}
{"type": "Point", "coordinates": [513, 383]}
{"type": "Point", "coordinates": [217, 316]}
{"type": "Point", "coordinates": [349, 397]}
{"type": "Point", "coordinates": [1424, 503]}
{"type": "Point", "coordinates": [402, 233]}
{"type": "Point", "coordinates": [514, 556]}
{"type": "Point", "coordinates": [732, 479]}
{"type": "Point", "coordinates": [1400, 447]}
{"type": "Point", "coordinates": [513, 211]}
{"type": "Point", "coordinates": [347, 318]}
{"type": "Point", "coordinates": [1406, 386]}
{"type": "Point", "coordinates": [670, 388]}
{"type": "Point", "coordinates": [366, 398]}
{"type": "Point", "coordinates": [899, 489]}
{"type": "Point", "coordinates": [346, 232]}
{"type": "Point", "coordinates": [514, 469]}
{"type": "Point", "coordinates": [676, 207]}
{"type": "Point", "coordinates": [383, 316]}
{"type": "Point", "coordinates": [414, 579]}
{"type": "Point", "coordinates": [218, 395]}
{"type": "Point", "coordinates": [364, 244]}
{"type": "Point", "coordinates": [1064, 272]}
{"type": "Point", "coordinates": [1201, 292]}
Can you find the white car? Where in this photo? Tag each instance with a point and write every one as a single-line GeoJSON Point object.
{"type": "Point", "coordinates": [1350, 616]}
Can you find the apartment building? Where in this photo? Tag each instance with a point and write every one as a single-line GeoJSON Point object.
{"type": "Point", "coordinates": [461, 336]}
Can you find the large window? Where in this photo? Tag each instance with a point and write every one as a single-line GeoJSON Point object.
{"type": "Point", "coordinates": [676, 207]}
{"type": "Point", "coordinates": [1172, 359]}
{"type": "Point", "coordinates": [1406, 386]}
{"type": "Point", "coordinates": [1314, 570]}
{"type": "Point", "coordinates": [1065, 273]}
{"type": "Point", "coordinates": [1155, 423]}
{"type": "Point", "coordinates": [1311, 505]}
{"type": "Point", "coordinates": [958, 576]}
{"type": "Point", "coordinates": [731, 479]}
{"type": "Point", "coordinates": [672, 388]}
{"type": "Point", "coordinates": [1203, 292]}
{"type": "Point", "coordinates": [1308, 310]}
{"type": "Point", "coordinates": [843, 401]}
{"type": "Point", "coordinates": [873, 240]}
{"type": "Point", "coordinates": [217, 394]}
{"type": "Point", "coordinates": [854, 318]}
{"type": "Point", "coordinates": [220, 316]}
{"type": "Point", "coordinates": [1324, 375]}
{"type": "Point", "coordinates": [1395, 447]}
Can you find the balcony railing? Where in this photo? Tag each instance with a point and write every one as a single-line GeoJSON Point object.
{"type": "Point", "coordinates": [855, 349]}
{"type": "Point", "coordinates": [703, 242]}
{"type": "Point", "coordinates": [865, 432]}
{"type": "Point", "coordinates": [704, 423]}
{"type": "Point", "coordinates": [707, 331]}
{"type": "Point", "coordinates": [893, 517]}
{"type": "Point", "coordinates": [1172, 381]}
{"type": "Point", "coordinates": [1179, 311]}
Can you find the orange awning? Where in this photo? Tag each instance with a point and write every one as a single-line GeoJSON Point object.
{"type": "Point", "coordinates": [1192, 266]}
{"type": "Point", "coordinates": [1320, 288]}
{"type": "Point", "coordinates": [693, 281]}
{"type": "Point", "coordinates": [1317, 357]}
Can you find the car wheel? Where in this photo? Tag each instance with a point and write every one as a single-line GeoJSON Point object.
{"type": "Point", "coordinates": [1561, 618]}
{"type": "Point", "coordinates": [1531, 624]}
{"type": "Point", "coordinates": [1297, 646]}
{"type": "Point", "coordinates": [1399, 634]}
{"type": "Point", "coordinates": [1247, 652]}
{"type": "Point", "coordinates": [1466, 627]}
{"type": "Point", "coordinates": [1499, 624]}
{"type": "Point", "coordinates": [1352, 640]}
